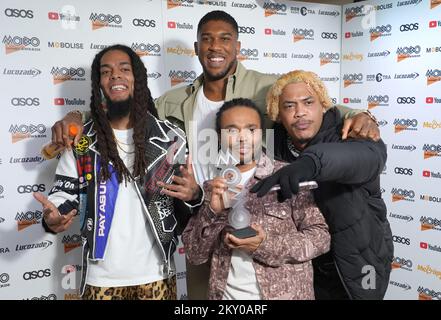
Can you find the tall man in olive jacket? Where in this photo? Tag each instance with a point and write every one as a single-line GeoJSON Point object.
{"type": "Point", "coordinates": [348, 173]}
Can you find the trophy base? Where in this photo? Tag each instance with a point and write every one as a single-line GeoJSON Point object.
{"type": "Point", "coordinates": [244, 233]}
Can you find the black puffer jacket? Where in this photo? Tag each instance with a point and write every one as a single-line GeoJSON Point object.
{"type": "Point", "coordinates": [350, 198]}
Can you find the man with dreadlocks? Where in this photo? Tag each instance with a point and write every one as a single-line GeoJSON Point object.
{"type": "Point", "coordinates": [128, 225]}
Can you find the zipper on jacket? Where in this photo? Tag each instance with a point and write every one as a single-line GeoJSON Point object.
{"type": "Point", "coordinates": [341, 279]}
{"type": "Point", "coordinates": [84, 264]}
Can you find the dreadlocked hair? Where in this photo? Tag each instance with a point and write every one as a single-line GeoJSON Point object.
{"type": "Point", "coordinates": [142, 105]}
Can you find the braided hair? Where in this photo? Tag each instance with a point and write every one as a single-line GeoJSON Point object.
{"type": "Point", "coordinates": [142, 104]}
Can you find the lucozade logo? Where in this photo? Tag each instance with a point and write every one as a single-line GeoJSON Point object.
{"type": "Point", "coordinates": [153, 75]}
{"type": "Point", "coordinates": [61, 74]}
{"type": "Point", "coordinates": [383, 54]}
{"type": "Point", "coordinates": [101, 20]}
{"type": "Point", "coordinates": [404, 286]}
{"type": "Point", "coordinates": [272, 8]}
{"type": "Point", "coordinates": [433, 75]}
{"type": "Point", "coordinates": [380, 31]}
{"type": "Point", "coordinates": [408, 3]}
{"type": "Point", "coordinates": [17, 43]}
{"type": "Point", "coordinates": [401, 124]}
{"type": "Point", "coordinates": [408, 52]}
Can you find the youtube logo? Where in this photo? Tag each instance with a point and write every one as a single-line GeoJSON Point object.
{"type": "Point", "coordinates": [426, 173]}
{"type": "Point", "coordinates": [347, 35]}
{"type": "Point", "coordinates": [345, 100]}
{"type": "Point", "coordinates": [268, 31]}
{"type": "Point", "coordinates": [59, 101]}
{"type": "Point", "coordinates": [171, 25]}
{"type": "Point", "coordinates": [423, 245]}
{"type": "Point", "coordinates": [429, 100]}
{"type": "Point", "coordinates": [53, 16]}
{"type": "Point", "coordinates": [432, 24]}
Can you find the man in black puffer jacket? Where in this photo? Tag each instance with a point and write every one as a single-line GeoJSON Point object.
{"type": "Point", "coordinates": [308, 134]}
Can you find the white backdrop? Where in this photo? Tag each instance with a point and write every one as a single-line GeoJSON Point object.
{"type": "Point", "coordinates": [46, 52]}
{"type": "Point", "coordinates": [396, 65]}
{"type": "Point", "coordinates": [45, 56]}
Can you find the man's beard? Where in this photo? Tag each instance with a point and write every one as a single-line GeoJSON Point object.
{"type": "Point", "coordinates": [220, 75]}
{"type": "Point", "coordinates": [118, 109]}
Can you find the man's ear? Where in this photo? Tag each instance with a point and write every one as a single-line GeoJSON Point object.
{"type": "Point", "coordinates": [238, 46]}
{"type": "Point", "coordinates": [195, 47]}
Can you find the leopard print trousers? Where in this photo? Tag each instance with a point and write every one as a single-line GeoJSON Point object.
{"type": "Point", "coordinates": [158, 290]}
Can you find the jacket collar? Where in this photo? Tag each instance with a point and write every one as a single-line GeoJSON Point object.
{"type": "Point", "coordinates": [331, 119]}
{"type": "Point", "coordinates": [265, 167]}
{"type": "Point", "coordinates": [157, 138]}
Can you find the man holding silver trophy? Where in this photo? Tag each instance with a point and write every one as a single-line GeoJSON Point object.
{"type": "Point", "coordinates": [258, 248]}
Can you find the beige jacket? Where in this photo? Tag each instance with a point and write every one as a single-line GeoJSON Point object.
{"type": "Point", "coordinates": [177, 105]}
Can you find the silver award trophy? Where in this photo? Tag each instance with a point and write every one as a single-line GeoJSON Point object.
{"type": "Point", "coordinates": [238, 217]}
{"type": "Point", "coordinates": [226, 168]}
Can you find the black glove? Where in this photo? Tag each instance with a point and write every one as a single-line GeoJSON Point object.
{"type": "Point", "coordinates": [303, 169]}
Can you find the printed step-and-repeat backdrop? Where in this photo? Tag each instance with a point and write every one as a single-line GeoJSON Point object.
{"type": "Point", "coordinates": [381, 55]}
{"type": "Point", "coordinates": [391, 64]}
{"type": "Point", "coordinates": [46, 51]}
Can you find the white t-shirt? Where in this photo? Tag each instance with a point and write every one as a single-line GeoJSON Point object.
{"type": "Point", "coordinates": [204, 117]}
{"type": "Point", "coordinates": [242, 282]}
{"type": "Point", "coordinates": [132, 255]}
